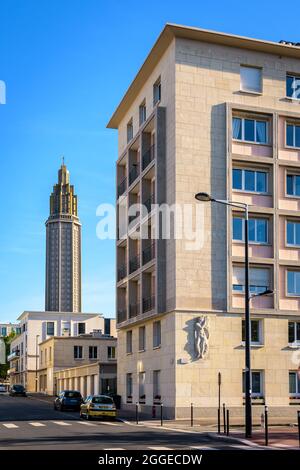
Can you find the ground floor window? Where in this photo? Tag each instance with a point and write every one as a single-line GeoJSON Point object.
{"type": "Point", "coordinates": [294, 384]}
{"type": "Point", "coordinates": [257, 383]}
{"type": "Point", "coordinates": [294, 332]}
{"type": "Point", "coordinates": [129, 388]}
{"type": "Point", "coordinates": [256, 331]}
{"type": "Point", "coordinates": [156, 386]}
{"type": "Point", "coordinates": [109, 386]}
{"type": "Point", "coordinates": [142, 392]}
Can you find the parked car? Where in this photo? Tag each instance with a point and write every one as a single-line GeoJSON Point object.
{"type": "Point", "coordinates": [17, 390]}
{"type": "Point", "coordinates": [98, 406]}
{"type": "Point", "coordinates": [68, 400]}
{"type": "Point", "coordinates": [2, 388]}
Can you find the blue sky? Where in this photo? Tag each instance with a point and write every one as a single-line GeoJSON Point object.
{"type": "Point", "coordinates": [66, 64]}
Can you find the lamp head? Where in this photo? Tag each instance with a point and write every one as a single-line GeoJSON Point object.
{"type": "Point", "coordinates": [204, 197]}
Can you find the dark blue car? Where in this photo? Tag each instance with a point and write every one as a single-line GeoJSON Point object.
{"type": "Point", "coordinates": [68, 400]}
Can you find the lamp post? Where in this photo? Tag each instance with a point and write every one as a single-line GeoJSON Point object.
{"type": "Point", "coordinates": [204, 197]}
{"type": "Point", "coordinates": [36, 362]}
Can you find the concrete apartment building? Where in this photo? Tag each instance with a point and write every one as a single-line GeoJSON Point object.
{"type": "Point", "coordinates": [37, 327]}
{"type": "Point", "coordinates": [216, 113]}
{"type": "Point", "coordinates": [86, 363]}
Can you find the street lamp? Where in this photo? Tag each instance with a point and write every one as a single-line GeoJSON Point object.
{"type": "Point", "coordinates": [205, 197]}
{"type": "Point", "coordinates": [36, 362]}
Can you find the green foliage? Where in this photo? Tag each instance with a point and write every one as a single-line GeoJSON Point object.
{"type": "Point", "coordinates": [4, 367]}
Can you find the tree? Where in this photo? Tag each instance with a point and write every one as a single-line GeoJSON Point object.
{"type": "Point", "coordinates": [4, 367]}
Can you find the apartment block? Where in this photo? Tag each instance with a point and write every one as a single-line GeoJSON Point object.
{"type": "Point", "coordinates": [216, 113]}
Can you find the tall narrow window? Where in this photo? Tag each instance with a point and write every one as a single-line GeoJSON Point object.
{"type": "Point", "coordinates": [50, 328]}
{"type": "Point", "coordinates": [142, 338]}
{"type": "Point", "coordinates": [142, 112]}
{"type": "Point", "coordinates": [257, 383]}
{"type": "Point", "coordinates": [156, 334]}
{"type": "Point", "coordinates": [129, 130]}
{"type": "Point", "coordinates": [129, 342]}
{"type": "Point", "coordinates": [81, 328]}
{"type": "Point", "coordinates": [156, 92]}
{"type": "Point", "coordinates": [156, 385]}
{"type": "Point", "coordinates": [293, 233]}
{"type": "Point", "coordinates": [77, 352]}
{"type": "Point", "coordinates": [293, 283]}
{"type": "Point", "coordinates": [129, 387]}
{"type": "Point", "coordinates": [251, 79]}
{"type": "Point", "coordinates": [256, 331]}
{"type": "Point", "coordinates": [292, 135]}
{"type": "Point", "coordinates": [142, 391]}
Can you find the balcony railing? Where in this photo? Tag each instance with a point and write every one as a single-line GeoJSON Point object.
{"type": "Point", "coordinates": [148, 303]}
{"type": "Point", "coordinates": [122, 187]}
{"type": "Point", "coordinates": [148, 253]}
{"type": "Point", "coordinates": [121, 315]}
{"type": "Point", "coordinates": [148, 203]}
{"type": "Point", "coordinates": [134, 310]}
{"type": "Point", "coordinates": [148, 156]}
{"type": "Point", "coordinates": [134, 172]}
{"type": "Point", "coordinates": [134, 263]}
{"type": "Point", "coordinates": [122, 271]}
{"type": "Point", "coordinates": [13, 355]}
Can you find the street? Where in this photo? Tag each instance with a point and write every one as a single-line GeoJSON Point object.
{"type": "Point", "coordinates": [32, 423]}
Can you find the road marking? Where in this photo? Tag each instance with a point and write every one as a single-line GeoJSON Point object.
{"type": "Point", "coordinates": [114, 448]}
{"type": "Point", "coordinates": [159, 448]}
{"type": "Point", "coordinates": [37, 424]}
{"type": "Point", "coordinates": [61, 423]}
{"type": "Point", "coordinates": [10, 425]}
{"type": "Point", "coordinates": [204, 448]}
{"type": "Point", "coordinates": [110, 424]}
{"type": "Point", "coordinates": [86, 423]}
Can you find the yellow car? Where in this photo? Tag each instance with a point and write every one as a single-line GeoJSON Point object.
{"type": "Point", "coordinates": [95, 406]}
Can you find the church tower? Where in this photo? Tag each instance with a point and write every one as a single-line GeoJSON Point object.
{"type": "Point", "coordinates": [63, 248]}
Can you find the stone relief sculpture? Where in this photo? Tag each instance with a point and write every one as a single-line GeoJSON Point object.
{"type": "Point", "coordinates": [201, 334]}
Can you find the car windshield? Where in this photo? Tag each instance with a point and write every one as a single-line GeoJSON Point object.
{"type": "Point", "coordinates": [102, 400]}
{"type": "Point", "coordinates": [18, 388]}
{"type": "Point", "coordinates": [72, 394]}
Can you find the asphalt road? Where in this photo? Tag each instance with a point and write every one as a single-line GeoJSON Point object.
{"type": "Point", "coordinates": [32, 423]}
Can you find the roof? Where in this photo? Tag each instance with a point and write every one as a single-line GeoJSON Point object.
{"type": "Point", "coordinates": [48, 314]}
{"type": "Point", "coordinates": [172, 31]}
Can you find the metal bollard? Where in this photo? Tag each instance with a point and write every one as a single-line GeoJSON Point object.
{"type": "Point", "coordinates": [266, 427]}
{"type": "Point", "coordinates": [227, 431]}
{"type": "Point", "coordinates": [299, 426]}
{"type": "Point", "coordinates": [161, 415]}
{"type": "Point", "coordinates": [192, 415]}
{"type": "Point", "coordinates": [137, 413]}
{"type": "Point", "coordinates": [224, 418]}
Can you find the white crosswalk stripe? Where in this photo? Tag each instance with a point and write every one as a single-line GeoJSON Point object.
{"type": "Point", "coordinates": [108, 423]}
{"type": "Point", "coordinates": [204, 448]}
{"type": "Point", "coordinates": [37, 425]}
{"type": "Point", "coordinates": [160, 448]}
{"type": "Point", "coordinates": [86, 423]}
{"type": "Point", "coordinates": [61, 423]}
{"type": "Point", "coordinates": [114, 448]}
{"type": "Point", "coordinates": [10, 425]}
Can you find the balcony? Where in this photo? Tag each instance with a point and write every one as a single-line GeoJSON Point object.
{"type": "Point", "coordinates": [134, 263]}
{"type": "Point", "coordinates": [122, 272]}
{"type": "Point", "coordinates": [134, 310]}
{"type": "Point", "coordinates": [122, 187]}
{"type": "Point", "coordinates": [148, 303]}
{"type": "Point", "coordinates": [148, 156]}
{"type": "Point", "coordinates": [148, 253]}
{"type": "Point", "coordinates": [121, 315]}
{"type": "Point", "coordinates": [148, 203]}
{"type": "Point", "coordinates": [134, 172]}
{"type": "Point", "coordinates": [14, 355]}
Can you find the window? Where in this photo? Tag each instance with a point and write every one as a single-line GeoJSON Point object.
{"type": "Point", "coordinates": [294, 384]}
{"type": "Point", "coordinates": [3, 331]}
{"type": "Point", "coordinates": [93, 352]}
{"type": "Point", "coordinates": [293, 185]}
{"type": "Point", "coordinates": [293, 283]}
{"type": "Point", "coordinates": [256, 331]}
{"type": "Point", "coordinates": [142, 338]}
{"type": "Point", "coordinates": [292, 135]}
{"type": "Point", "coordinates": [142, 112]}
{"type": "Point", "coordinates": [142, 393]}
{"type": "Point", "coordinates": [156, 385]}
{"type": "Point", "coordinates": [257, 383]}
{"type": "Point", "coordinates": [50, 328]}
{"type": "Point", "coordinates": [293, 233]}
{"type": "Point", "coordinates": [251, 79]}
{"type": "Point", "coordinates": [81, 328]}
{"type": "Point", "coordinates": [259, 279]}
{"type": "Point", "coordinates": [78, 352]}
{"type": "Point", "coordinates": [129, 342]}
{"type": "Point", "coordinates": [111, 352]}
{"type": "Point", "coordinates": [294, 332]}
{"type": "Point", "coordinates": [156, 334]}
{"type": "Point", "coordinates": [257, 230]}
{"type": "Point", "coordinates": [249, 180]}
{"type": "Point", "coordinates": [129, 387]}
{"type": "Point", "coordinates": [293, 86]}
{"type": "Point", "coordinates": [129, 131]}
{"type": "Point", "coordinates": [250, 130]}
{"type": "Point", "coordinates": [156, 92]}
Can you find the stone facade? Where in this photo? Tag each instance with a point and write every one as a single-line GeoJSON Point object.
{"type": "Point", "coordinates": [200, 83]}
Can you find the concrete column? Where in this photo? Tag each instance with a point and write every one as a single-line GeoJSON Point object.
{"type": "Point", "coordinates": [96, 384]}
{"type": "Point", "coordinates": [82, 388]}
{"type": "Point", "coordinates": [89, 385]}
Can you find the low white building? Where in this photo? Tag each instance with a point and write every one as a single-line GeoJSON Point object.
{"type": "Point", "coordinates": [36, 327]}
